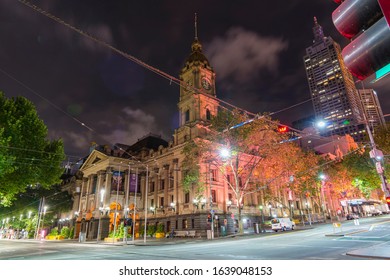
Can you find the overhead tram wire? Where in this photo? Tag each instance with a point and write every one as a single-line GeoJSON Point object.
{"type": "Point", "coordinates": [171, 78]}
{"type": "Point", "coordinates": [159, 72]}
{"type": "Point", "coordinates": [47, 100]}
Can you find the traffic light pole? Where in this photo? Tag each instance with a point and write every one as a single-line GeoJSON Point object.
{"type": "Point", "coordinates": [379, 167]}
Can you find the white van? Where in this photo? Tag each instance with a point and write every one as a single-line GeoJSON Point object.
{"type": "Point", "coordinates": [282, 224]}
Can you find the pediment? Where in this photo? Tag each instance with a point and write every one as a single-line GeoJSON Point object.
{"type": "Point", "coordinates": [94, 158]}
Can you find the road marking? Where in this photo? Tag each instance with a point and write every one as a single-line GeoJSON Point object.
{"type": "Point", "coordinates": [357, 240]}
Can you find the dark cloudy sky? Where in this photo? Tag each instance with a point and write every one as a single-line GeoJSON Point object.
{"type": "Point", "coordinates": [255, 48]}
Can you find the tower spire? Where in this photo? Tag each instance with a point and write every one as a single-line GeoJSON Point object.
{"type": "Point", "coordinates": [318, 32]}
{"type": "Point", "coordinates": [196, 27]}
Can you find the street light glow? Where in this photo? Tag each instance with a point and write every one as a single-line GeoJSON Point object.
{"type": "Point", "coordinates": [321, 124]}
{"type": "Point", "coordinates": [225, 152]}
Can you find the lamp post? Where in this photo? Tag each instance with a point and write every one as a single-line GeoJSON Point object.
{"type": "Point", "coordinates": [43, 220]}
{"type": "Point", "coordinates": [102, 191]}
{"type": "Point", "coordinates": [322, 196]}
{"type": "Point", "coordinates": [269, 209]}
{"type": "Point", "coordinates": [292, 211]}
{"type": "Point", "coordinates": [262, 218]}
{"type": "Point", "coordinates": [308, 213]}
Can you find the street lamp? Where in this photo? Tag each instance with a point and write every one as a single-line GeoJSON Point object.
{"type": "Point", "coordinates": [308, 213]}
{"type": "Point", "coordinates": [269, 209]}
{"type": "Point", "coordinates": [203, 202]}
{"type": "Point", "coordinates": [43, 220]}
{"type": "Point", "coordinates": [225, 153]}
{"type": "Point", "coordinates": [228, 204]}
{"type": "Point", "coordinates": [173, 206]}
{"type": "Point", "coordinates": [262, 217]}
{"type": "Point", "coordinates": [292, 211]}
{"type": "Point", "coordinates": [322, 196]}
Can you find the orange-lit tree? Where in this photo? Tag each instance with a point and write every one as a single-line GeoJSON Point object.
{"type": "Point", "coordinates": [289, 173]}
{"type": "Point", "coordinates": [236, 148]}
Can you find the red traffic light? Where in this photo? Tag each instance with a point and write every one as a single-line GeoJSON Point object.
{"type": "Point", "coordinates": [283, 129]}
{"type": "Point", "coordinates": [388, 200]}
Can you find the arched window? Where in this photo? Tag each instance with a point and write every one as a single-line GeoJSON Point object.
{"type": "Point", "coordinates": [208, 114]}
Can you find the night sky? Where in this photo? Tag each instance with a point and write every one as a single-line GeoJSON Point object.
{"type": "Point", "coordinates": [255, 47]}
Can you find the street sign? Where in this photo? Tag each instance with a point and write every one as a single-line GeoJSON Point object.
{"type": "Point", "coordinates": [379, 168]}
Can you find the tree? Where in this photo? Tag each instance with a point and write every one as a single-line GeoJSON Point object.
{"type": "Point", "coordinates": [27, 157]}
{"type": "Point", "coordinates": [246, 146]}
{"type": "Point", "coordinates": [290, 171]}
{"type": "Point", "coordinates": [363, 172]}
{"type": "Point", "coordinates": [382, 138]}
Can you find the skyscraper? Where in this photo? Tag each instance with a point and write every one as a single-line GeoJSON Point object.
{"type": "Point", "coordinates": [371, 107]}
{"type": "Point", "coordinates": [332, 88]}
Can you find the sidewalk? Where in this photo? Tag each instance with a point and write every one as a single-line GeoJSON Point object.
{"type": "Point", "coordinates": [381, 251]}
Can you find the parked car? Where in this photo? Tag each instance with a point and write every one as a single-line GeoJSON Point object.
{"type": "Point", "coordinates": [352, 216]}
{"type": "Point", "coordinates": [376, 212]}
{"type": "Point", "coordinates": [282, 224]}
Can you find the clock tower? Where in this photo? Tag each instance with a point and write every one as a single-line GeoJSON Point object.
{"type": "Point", "coordinates": [197, 94]}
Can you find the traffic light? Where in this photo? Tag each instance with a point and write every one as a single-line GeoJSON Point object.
{"type": "Point", "coordinates": [388, 201]}
{"type": "Point", "coordinates": [283, 129]}
{"type": "Point", "coordinates": [209, 218]}
{"type": "Point", "coordinates": [364, 23]}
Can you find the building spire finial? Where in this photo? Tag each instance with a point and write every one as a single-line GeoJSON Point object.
{"type": "Point", "coordinates": [318, 32]}
{"type": "Point", "coordinates": [196, 27]}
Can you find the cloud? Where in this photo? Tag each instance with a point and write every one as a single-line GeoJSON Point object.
{"type": "Point", "coordinates": [101, 32]}
{"type": "Point", "coordinates": [241, 54]}
{"type": "Point", "coordinates": [131, 126]}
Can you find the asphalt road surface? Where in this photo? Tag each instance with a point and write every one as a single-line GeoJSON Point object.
{"type": "Point", "coordinates": [322, 241]}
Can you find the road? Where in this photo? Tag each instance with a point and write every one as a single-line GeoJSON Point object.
{"type": "Point", "coordinates": [320, 242]}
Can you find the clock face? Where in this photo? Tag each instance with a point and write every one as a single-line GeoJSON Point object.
{"type": "Point", "coordinates": [206, 84]}
{"type": "Point", "coordinates": [188, 85]}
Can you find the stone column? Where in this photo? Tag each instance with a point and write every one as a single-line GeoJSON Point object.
{"type": "Point", "coordinates": [107, 187]}
{"type": "Point", "coordinates": [100, 180]}
{"type": "Point", "coordinates": [84, 186]}
{"type": "Point", "coordinates": [165, 177]}
{"type": "Point", "coordinates": [176, 197]}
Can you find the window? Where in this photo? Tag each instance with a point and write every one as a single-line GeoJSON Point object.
{"type": "Point", "coordinates": [185, 224]}
{"type": "Point", "coordinates": [213, 175]}
{"type": "Point", "coordinates": [187, 116]}
{"type": "Point", "coordinates": [187, 198]}
{"type": "Point", "coordinates": [208, 114]}
{"type": "Point", "coordinates": [152, 186]}
{"type": "Point", "coordinates": [162, 184]}
{"type": "Point", "coordinates": [214, 196]}
{"type": "Point", "coordinates": [152, 203]}
{"type": "Point", "coordinates": [94, 184]}
{"type": "Point", "coordinates": [171, 180]}
{"type": "Point", "coordinates": [161, 201]}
